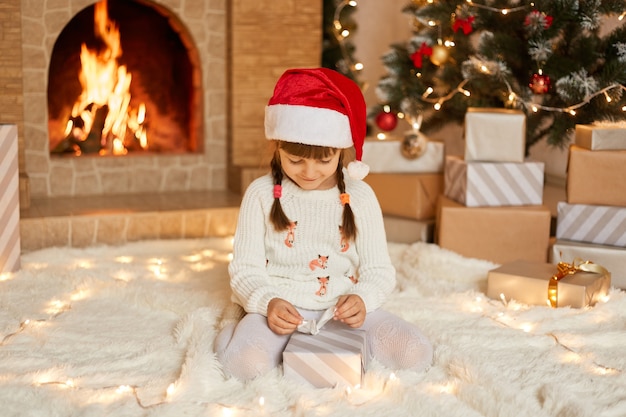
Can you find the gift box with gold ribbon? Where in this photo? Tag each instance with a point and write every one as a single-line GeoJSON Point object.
{"type": "Point", "coordinates": [579, 284]}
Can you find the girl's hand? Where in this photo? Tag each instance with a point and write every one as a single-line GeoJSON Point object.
{"type": "Point", "coordinates": [282, 316]}
{"type": "Point", "coordinates": [350, 309]}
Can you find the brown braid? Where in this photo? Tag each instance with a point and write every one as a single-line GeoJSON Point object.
{"type": "Point", "coordinates": [277, 216]}
{"type": "Point", "coordinates": [348, 227]}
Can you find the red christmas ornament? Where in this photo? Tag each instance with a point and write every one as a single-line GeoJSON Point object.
{"type": "Point", "coordinates": [386, 121]}
{"type": "Point", "coordinates": [539, 83]}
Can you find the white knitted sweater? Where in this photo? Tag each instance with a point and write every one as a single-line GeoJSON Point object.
{"type": "Point", "coordinates": [309, 265]}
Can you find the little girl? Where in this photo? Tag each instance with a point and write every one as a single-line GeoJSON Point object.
{"type": "Point", "coordinates": [309, 237]}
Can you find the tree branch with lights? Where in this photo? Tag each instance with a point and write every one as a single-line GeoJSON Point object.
{"type": "Point", "coordinates": [550, 59]}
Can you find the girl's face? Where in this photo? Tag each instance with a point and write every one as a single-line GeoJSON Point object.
{"type": "Point", "coordinates": [308, 173]}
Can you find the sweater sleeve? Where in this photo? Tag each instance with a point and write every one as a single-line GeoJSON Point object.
{"type": "Point", "coordinates": [249, 280]}
{"type": "Point", "coordinates": [377, 276]}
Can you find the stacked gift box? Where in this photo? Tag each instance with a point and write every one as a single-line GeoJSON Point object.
{"type": "Point", "coordinates": [9, 200]}
{"type": "Point", "coordinates": [591, 224]}
{"type": "Point", "coordinates": [492, 204]}
{"type": "Point", "coordinates": [407, 188]}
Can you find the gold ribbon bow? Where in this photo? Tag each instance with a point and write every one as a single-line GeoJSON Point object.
{"type": "Point", "coordinates": [564, 269]}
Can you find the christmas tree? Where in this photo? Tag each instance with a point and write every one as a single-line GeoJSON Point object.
{"type": "Point", "coordinates": [549, 59]}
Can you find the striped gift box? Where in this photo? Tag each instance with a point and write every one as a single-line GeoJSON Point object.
{"type": "Point", "coordinates": [336, 356]}
{"type": "Point", "coordinates": [604, 225]}
{"type": "Point", "coordinates": [493, 184]}
{"type": "Point", "coordinates": [9, 200]}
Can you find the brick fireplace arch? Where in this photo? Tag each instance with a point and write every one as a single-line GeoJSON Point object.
{"type": "Point", "coordinates": [137, 59]}
{"type": "Point", "coordinates": [201, 25]}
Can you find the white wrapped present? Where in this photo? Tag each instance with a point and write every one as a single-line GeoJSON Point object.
{"type": "Point", "coordinates": [496, 135]}
{"type": "Point", "coordinates": [385, 156]}
{"type": "Point", "coordinates": [601, 137]}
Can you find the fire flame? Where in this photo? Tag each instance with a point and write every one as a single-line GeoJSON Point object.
{"type": "Point", "coordinates": [102, 119]}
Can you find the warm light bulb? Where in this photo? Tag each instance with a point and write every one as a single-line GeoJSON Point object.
{"type": "Point", "coordinates": [381, 136]}
{"type": "Point", "coordinates": [437, 106]}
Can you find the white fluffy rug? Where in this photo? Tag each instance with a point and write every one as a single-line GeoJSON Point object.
{"type": "Point", "coordinates": [128, 331]}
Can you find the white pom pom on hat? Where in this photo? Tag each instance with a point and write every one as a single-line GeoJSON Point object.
{"type": "Point", "coordinates": [319, 106]}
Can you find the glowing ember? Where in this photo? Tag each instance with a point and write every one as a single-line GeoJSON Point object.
{"type": "Point", "coordinates": [102, 120]}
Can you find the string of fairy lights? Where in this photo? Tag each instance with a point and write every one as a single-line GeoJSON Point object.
{"type": "Point", "coordinates": [341, 35]}
{"type": "Point", "coordinates": [513, 98]}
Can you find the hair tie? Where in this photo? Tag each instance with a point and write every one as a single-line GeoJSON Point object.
{"type": "Point", "coordinates": [345, 198]}
{"type": "Point", "coordinates": [278, 191]}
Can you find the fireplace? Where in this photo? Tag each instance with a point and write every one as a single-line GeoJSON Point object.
{"type": "Point", "coordinates": [119, 82]}
{"type": "Point", "coordinates": [175, 55]}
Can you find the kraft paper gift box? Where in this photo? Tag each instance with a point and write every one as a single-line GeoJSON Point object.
{"type": "Point", "coordinates": [612, 258]}
{"type": "Point", "coordinates": [9, 200]}
{"type": "Point", "coordinates": [336, 356]}
{"type": "Point", "coordinates": [385, 156]}
{"type": "Point", "coordinates": [496, 135]}
{"type": "Point", "coordinates": [496, 234]}
{"type": "Point", "coordinates": [401, 230]}
{"type": "Point", "coordinates": [412, 196]}
{"type": "Point", "coordinates": [528, 283]}
{"type": "Point", "coordinates": [604, 225]}
{"type": "Point", "coordinates": [600, 137]}
{"type": "Point", "coordinates": [596, 177]}
{"type": "Point", "coordinates": [481, 184]}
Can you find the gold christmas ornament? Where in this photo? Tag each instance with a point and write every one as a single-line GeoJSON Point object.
{"type": "Point", "coordinates": [440, 54]}
{"type": "Point", "coordinates": [413, 145]}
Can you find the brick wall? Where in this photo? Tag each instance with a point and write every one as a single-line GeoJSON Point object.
{"type": "Point", "coordinates": [11, 96]}
{"type": "Point", "coordinates": [266, 37]}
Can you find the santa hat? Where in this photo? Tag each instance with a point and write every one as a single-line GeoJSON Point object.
{"type": "Point", "coordinates": [319, 106]}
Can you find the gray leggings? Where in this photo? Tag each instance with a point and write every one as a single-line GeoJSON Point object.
{"type": "Point", "coordinates": [249, 348]}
